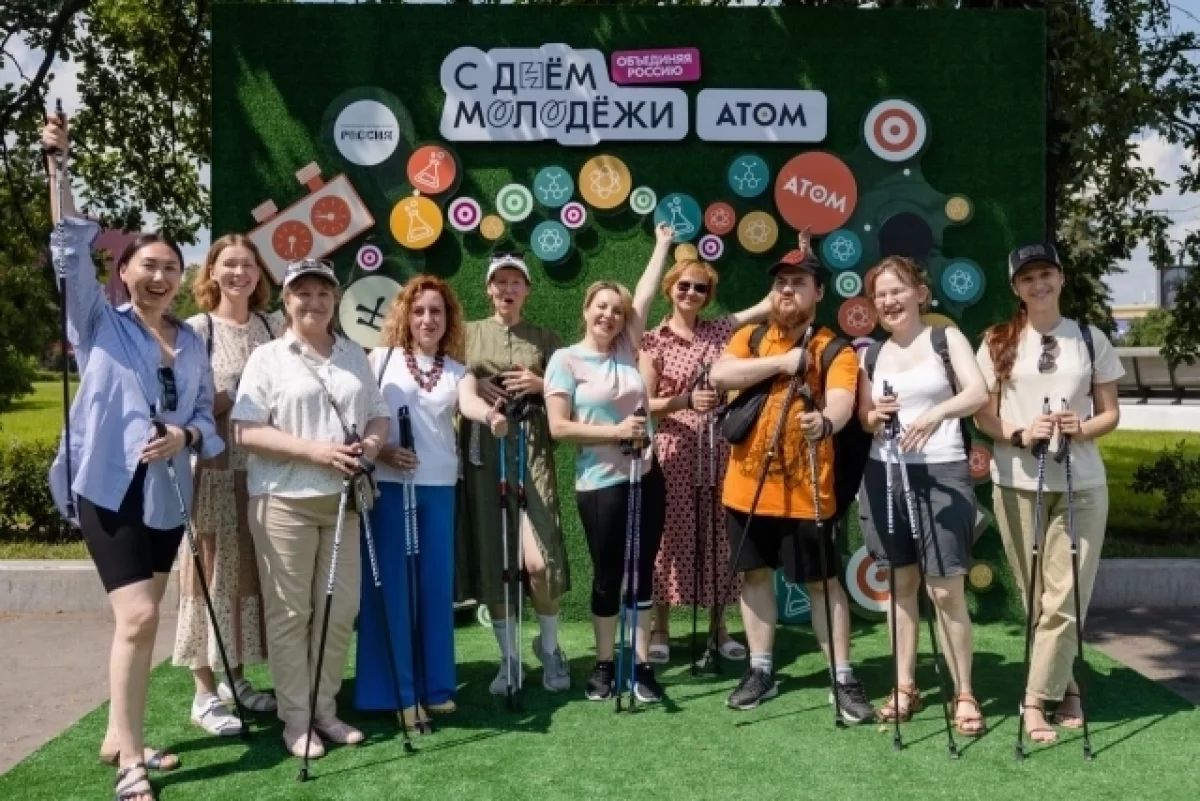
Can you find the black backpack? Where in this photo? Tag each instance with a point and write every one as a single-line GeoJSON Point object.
{"type": "Point", "coordinates": [851, 445]}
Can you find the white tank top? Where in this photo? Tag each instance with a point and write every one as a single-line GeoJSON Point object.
{"type": "Point", "coordinates": [432, 414]}
{"type": "Point", "coordinates": [920, 388]}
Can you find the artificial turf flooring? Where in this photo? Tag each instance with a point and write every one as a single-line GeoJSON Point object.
{"type": "Point", "coordinates": [690, 747]}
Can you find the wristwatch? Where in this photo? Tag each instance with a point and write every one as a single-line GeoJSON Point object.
{"type": "Point", "coordinates": [188, 437]}
{"type": "Point", "coordinates": [1016, 438]}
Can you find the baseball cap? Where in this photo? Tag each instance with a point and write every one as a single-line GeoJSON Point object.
{"type": "Point", "coordinates": [1025, 255]}
{"type": "Point", "coordinates": [798, 258]}
{"type": "Point", "coordinates": [500, 261]}
{"type": "Point", "coordinates": [319, 267]}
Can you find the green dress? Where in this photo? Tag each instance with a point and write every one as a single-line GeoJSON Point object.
{"type": "Point", "coordinates": [493, 348]}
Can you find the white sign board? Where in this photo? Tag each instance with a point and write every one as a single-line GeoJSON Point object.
{"type": "Point", "coordinates": [762, 115]}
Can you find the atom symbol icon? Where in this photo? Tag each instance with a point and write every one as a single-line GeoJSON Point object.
{"type": "Point", "coordinates": [758, 232]}
{"type": "Point", "coordinates": [553, 190]}
{"type": "Point", "coordinates": [747, 180]}
{"type": "Point", "coordinates": [842, 248]}
{"type": "Point", "coordinates": [720, 218]}
{"type": "Point", "coordinates": [858, 317]}
{"type": "Point", "coordinates": [979, 462]}
{"type": "Point", "coordinates": [606, 181]}
{"type": "Point", "coordinates": [961, 282]}
{"type": "Point", "coordinates": [550, 241]}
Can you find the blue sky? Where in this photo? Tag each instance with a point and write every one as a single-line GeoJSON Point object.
{"type": "Point", "coordinates": [1138, 284]}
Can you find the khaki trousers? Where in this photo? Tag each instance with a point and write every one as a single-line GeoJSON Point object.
{"type": "Point", "coordinates": [1054, 645]}
{"type": "Point", "coordinates": [294, 541]}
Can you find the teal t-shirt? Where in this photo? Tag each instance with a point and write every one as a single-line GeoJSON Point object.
{"type": "Point", "coordinates": [604, 389]}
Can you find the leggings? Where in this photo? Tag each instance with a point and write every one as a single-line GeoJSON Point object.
{"type": "Point", "coordinates": [605, 514]}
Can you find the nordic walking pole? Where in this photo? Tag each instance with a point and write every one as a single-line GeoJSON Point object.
{"type": "Point", "coordinates": [629, 579]}
{"type": "Point", "coordinates": [1039, 449]}
{"type": "Point", "coordinates": [337, 546]}
{"type": "Point", "coordinates": [914, 524]}
{"type": "Point", "coordinates": [60, 273]}
{"type": "Point", "coordinates": [161, 429]}
{"type": "Point", "coordinates": [714, 504]}
{"type": "Point", "coordinates": [1065, 457]}
{"type": "Point", "coordinates": [413, 573]}
{"type": "Point", "coordinates": [890, 432]}
{"type": "Point", "coordinates": [369, 536]}
{"type": "Point", "coordinates": [506, 570]}
{"type": "Point", "coordinates": [522, 576]}
{"type": "Point", "coordinates": [701, 482]}
{"type": "Point", "coordinates": [820, 524]}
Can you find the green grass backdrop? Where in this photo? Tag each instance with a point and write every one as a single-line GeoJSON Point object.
{"type": "Point", "coordinates": [978, 77]}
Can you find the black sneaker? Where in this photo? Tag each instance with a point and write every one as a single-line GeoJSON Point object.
{"type": "Point", "coordinates": [853, 703]}
{"type": "Point", "coordinates": [755, 687]}
{"type": "Point", "coordinates": [600, 684]}
{"type": "Point", "coordinates": [645, 685]}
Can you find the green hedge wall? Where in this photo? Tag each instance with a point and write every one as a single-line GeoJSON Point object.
{"type": "Point", "coordinates": [978, 77]}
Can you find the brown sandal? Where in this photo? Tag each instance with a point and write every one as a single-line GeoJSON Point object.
{"type": "Point", "coordinates": [969, 725]}
{"type": "Point", "coordinates": [1068, 721]}
{"type": "Point", "coordinates": [1040, 729]}
{"type": "Point", "coordinates": [891, 708]}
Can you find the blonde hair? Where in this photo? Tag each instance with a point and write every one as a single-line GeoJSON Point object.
{"type": "Point", "coordinates": [610, 286]}
{"type": "Point", "coordinates": [679, 268]}
{"type": "Point", "coordinates": [397, 333]}
{"type": "Point", "coordinates": [206, 290]}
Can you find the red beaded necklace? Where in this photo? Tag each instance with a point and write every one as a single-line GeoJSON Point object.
{"type": "Point", "coordinates": [425, 380]}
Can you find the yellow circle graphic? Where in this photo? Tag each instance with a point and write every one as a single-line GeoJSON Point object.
{"type": "Point", "coordinates": [958, 209]}
{"type": "Point", "coordinates": [491, 227]}
{"type": "Point", "coordinates": [758, 232]}
{"type": "Point", "coordinates": [981, 576]}
{"type": "Point", "coordinates": [605, 182]}
{"type": "Point", "coordinates": [687, 252]}
{"type": "Point", "coordinates": [416, 222]}
{"type": "Point", "coordinates": [938, 321]}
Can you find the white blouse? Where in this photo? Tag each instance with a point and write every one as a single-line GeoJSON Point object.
{"type": "Point", "coordinates": [277, 388]}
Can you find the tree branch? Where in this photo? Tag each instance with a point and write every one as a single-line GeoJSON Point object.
{"type": "Point", "coordinates": [58, 29]}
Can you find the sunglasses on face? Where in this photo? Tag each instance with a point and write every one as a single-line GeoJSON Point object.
{"type": "Point", "coordinates": [699, 288]}
{"type": "Point", "coordinates": [1048, 360]}
{"type": "Point", "coordinates": [166, 383]}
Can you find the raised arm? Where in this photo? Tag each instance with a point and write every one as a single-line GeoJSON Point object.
{"type": "Point", "coordinates": [647, 285]}
{"type": "Point", "coordinates": [758, 313]}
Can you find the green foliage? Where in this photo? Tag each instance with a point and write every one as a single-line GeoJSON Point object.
{"type": "Point", "coordinates": [1176, 476]}
{"type": "Point", "coordinates": [1149, 331]}
{"type": "Point", "coordinates": [26, 508]}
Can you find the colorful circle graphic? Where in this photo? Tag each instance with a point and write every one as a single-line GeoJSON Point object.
{"type": "Point", "coordinates": [643, 200]}
{"type": "Point", "coordinates": [758, 232]}
{"type": "Point", "coordinates": [431, 169]}
{"type": "Point", "coordinates": [574, 215]}
{"type": "Point", "coordinates": [842, 249]}
{"type": "Point", "coordinates": [980, 462]}
{"type": "Point", "coordinates": [514, 202]}
{"type": "Point", "coordinates": [720, 218]}
{"type": "Point", "coordinates": [364, 306]}
{"type": "Point", "coordinates": [491, 227]}
{"type": "Point", "coordinates": [857, 317]}
{"type": "Point", "coordinates": [605, 182]}
{"type": "Point", "coordinates": [465, 214]}
{"type": "Point", "coordinates": [848, 284]}
{"type": "Point", "coordinates": [959, 209]}
{"type": "Point", "coordinates": [682, 213]}
{"type": "Point", "coordinates": [749, 176]}
{"type": "Point", "coordinates": [867, 581]}
{"type": "Point", "coordinates": [416, 222]}
{"type": "Point", "coordinates": [551, 241]}
{"type": "Point", "coordinates": [981, 577]}
{"type": "Point", "coordinates": [895, 130]}
{"type": "Point", "coordinates": [711, 247]}
{"type": "Point", "coordinates": [369, 257]}
{"type": "Point", "coordinates": [816, 190]}
{"type": "Point", "coordinates": [553, 186]}
{"type": "Point", "coordinates": [862, 343]}
{"type": "Point", "coordinates": [939, 320]}
{"type": "Point", "coordinates": [962, 281]}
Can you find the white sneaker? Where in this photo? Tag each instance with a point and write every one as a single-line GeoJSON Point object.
{"type": "Point", "coordinates": [499, 685]}
{"type": "Point", "coordinates": [214, 717]}
{"type": "Point", "coordinates": [251, 698]}
{"type": "Point", "coordinates": [556, 670]}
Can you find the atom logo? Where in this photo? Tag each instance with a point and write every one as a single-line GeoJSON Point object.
{"type": "Point", "coordinates": [980, 462]}
{"type": "Point", "coordinates": [758, 232]}
{"type": "Point", "coordinates": [748, 179]}
{"type": "Point", "coordinates": [720, 218]}
{"type": "Point", "coordinates": [550, 241]}
{"type": "Point", "coordinates": [606, 181]}
{"type": "Point", "coordinates": [843, 249]}
{"type": "Point", "coordinates": [961, 282]}
{"type": "Point", "coordinates": [859, 318]}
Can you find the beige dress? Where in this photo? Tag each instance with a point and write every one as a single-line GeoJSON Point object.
{"type": "Point", "coordinates": [221, 525]}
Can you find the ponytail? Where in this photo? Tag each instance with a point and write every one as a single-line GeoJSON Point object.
{"type": "Point", "coordinates": [1002, 342]}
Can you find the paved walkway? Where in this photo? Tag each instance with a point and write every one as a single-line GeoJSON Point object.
{"type": "Point", "coordinates": [45, 689]}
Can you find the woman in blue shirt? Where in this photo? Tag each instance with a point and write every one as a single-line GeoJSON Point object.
{"type": "Point", "coordinates": [138, 365]}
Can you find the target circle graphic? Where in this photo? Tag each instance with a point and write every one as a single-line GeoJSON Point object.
{"type": "Point", "coordinates": [514, 202]}
{"type": "Point", "coordinates": [848, 284]}
{"type": "Point", "coordinates": [643, 200]}
{"type": "Point", "coordinates": [862, 343]}
{"type": "Point", "coordinates": [720, 218]}
{"type": "Point", "coordinates": [369, 257]}
{"type": "Point", "coordinates": [857, 317]}
{"type": "Point", "coordinates": [573, 215]}
{"type": "Point", "coordinates": [980, 462]}
{"type": "Point", "coordinates": [491, 227]}
{"type": "Point", "coordinates": [895, 130]}
{"type": "Point", "coordinates": [711, 247]}
{"type": "Point", "coordinates": [465, 214]}
{"type": "Point", "coordinates": [867, 581]}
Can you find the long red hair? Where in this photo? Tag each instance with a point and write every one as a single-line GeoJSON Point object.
{"type": "Point", "coordinates": [1002, 340]}
{"type": "Point", "coordinates": [396, 331]}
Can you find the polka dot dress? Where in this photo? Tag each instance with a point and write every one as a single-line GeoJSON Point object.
{"type": "Point", "coordinates": [678, 362]}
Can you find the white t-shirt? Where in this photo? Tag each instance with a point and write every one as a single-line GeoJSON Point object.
{"type": "Point", "coordinates": [277, 388]}
{"type": "Point", "coordinates": [1022, 397]}
{"type": "Point", "coordinates": [432, 414]}
{"type": "Point", "coordinates": [919, 388]}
